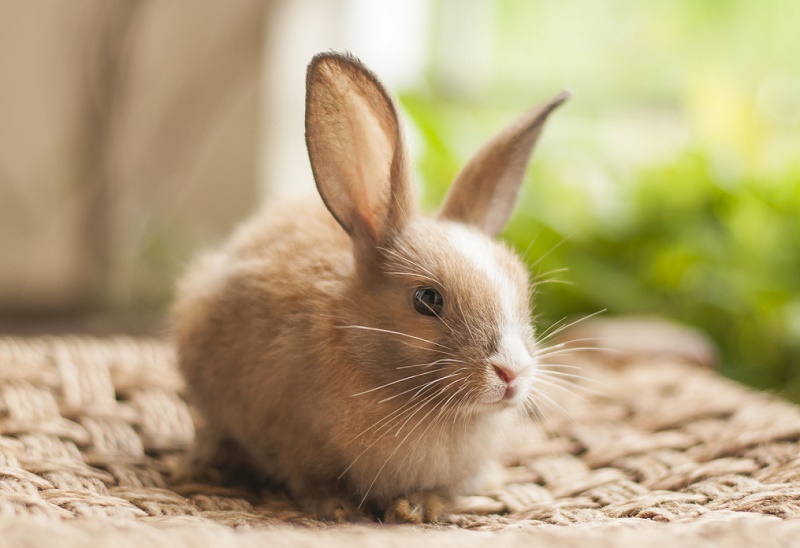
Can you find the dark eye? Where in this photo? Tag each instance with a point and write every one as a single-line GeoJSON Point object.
{"type": "Point", "coordinates": [428, 301]}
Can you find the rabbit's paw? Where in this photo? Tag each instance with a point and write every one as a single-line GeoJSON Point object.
{"type": "Point", "coordinates": [423, 507]}
{"type": "Point", "coordinates": [332, 508]}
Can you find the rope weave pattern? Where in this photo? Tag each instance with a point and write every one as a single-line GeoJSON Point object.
{"type": "Point", "coordinates": [93, 430]}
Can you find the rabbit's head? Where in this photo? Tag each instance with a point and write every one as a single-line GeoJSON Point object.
{"type": "Point", "coordinates": [437, 311]}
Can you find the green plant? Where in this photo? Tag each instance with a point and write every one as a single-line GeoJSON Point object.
{"type": "Point", "coordinates": [671, 183]}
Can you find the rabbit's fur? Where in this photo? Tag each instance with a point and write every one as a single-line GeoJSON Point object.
{"type": "Point", "coordinates": [301, 339]}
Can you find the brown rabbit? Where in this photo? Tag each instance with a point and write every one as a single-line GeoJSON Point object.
{"type": "Point", "coordinates": [363, 355]}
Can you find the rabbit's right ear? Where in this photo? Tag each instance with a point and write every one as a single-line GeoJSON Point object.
{"type": "Point", "coordinates": [485, 191]}
{"type": "Point", "coordinates": [357, 150]}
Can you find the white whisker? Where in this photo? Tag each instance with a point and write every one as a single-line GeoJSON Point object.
{"type": "Point", "coordinates": [563, 389]}
{"type": "Point", "coordinates": [410, 390]}
{"type": "Point", "coordinates": [389, 331]}
{"type": "Point", "coordinates": [436, 419]}
{"type": "Point", "coordinates": [400, 444]}
{"type": "Point", "coordinates": [437, 362]}
{"type": "Point", "coordinates": [398, 414]}
{"type": "Point", "coordinates": [552, 402]}
{"type": "Point", "coordinates": [548, 334]}
{"type": "Point", "coordinates": [466, 323]}
{"type": "Point", "coordinates": [396, 381]}
{"type": "Point", "coordinates": [545, 255]}
{"type": "Point", "coordinates": [548, 373]}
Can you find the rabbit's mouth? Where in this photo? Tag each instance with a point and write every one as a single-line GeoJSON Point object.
{"type": "Point", "coordinates": [512, 396]}
{"type": "Point", "coordinates": [506, 384]}
{"type": "Point", "coordinates": [510, 393]}
{"type": "Point", "coordinates": [503, 391]}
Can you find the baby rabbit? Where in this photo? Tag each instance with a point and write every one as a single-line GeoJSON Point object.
{"type": "Point", "coordinates": [365, 356]}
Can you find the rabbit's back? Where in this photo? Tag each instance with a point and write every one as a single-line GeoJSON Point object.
{"type": "Point", "coordinates": [250, 326]}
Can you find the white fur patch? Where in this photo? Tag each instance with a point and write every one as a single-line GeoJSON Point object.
{"type": "Point", "coordinates": [512, 353]}
{"type": "Point", "coordinates": [480, 253]}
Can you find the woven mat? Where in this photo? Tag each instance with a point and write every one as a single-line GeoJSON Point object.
{"type": "Point", "coordinates": [92, 431]}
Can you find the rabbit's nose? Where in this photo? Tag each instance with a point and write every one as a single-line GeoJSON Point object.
{"type": "Point", "coordinates": [506, 375]}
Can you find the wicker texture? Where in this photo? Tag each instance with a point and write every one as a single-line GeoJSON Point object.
{"type": "Point", "coordinates": [92, 431]}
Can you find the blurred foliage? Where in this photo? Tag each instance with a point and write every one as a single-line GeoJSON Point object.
{"type": "Point", "coordinates": [669, 184]}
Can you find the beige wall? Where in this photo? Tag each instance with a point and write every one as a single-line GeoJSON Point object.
{"type": "Point", "coordinates": [128, 134]}
{"type": "Point", "coordinates": [135, 132]}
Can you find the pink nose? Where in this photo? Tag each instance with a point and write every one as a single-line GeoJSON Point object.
{"type": "Point", "coordinates": [505, 375]}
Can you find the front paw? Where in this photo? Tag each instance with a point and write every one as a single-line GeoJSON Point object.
{"type": "Point", "coordinates": [423, 507]}
{"type": "Point", "coordinates": [332, 508]}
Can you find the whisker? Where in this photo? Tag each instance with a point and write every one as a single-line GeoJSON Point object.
{"type": "Point", "coordinates": [441, 319]}
{"type": "Point", "coordinates": [548, 373]}
{"type": "Point", "coordinates": [394, 415]}
{"type": "Point", "coordinates": [570, 385]}
{"type": "Point", "coordinates": [595, 347]}
{"type": "Point", "coordinates": [416, 409]}
{"type": "Point", "coordinates": [533, 409]}
{"type": "Point", "coordinates": [410, 263]}
{"type": "Point", "coordinates": [569, 382]}
{"type": "Point", "coordinates": [397, 381]}
{"type": "Point", "coordinates": [429, 398]}
{"type": "Point", "coordinates": [559, 365]}
{"type": "Point", "coordinates": [549, 352]}
{"type": "Point", "coordinates": [546, 420]}
{"type": "Point", "coordinates": [564, 344]}
{"type": "Point", "coordinates": [550, 272]}
{"type": "Point", "coordinates": [537, 283]}
{"type": "Point", "coordinates": [466, 324]}
{"type": "Point", "coordinates": [562, 388]}
{"type": "Point", "coordinates": [552, 402]}
{"type": "Point", "coordinates": [389, 331]}
{"type": "Point", "coordinates": [437, 362]}
{"type": "Point", "coordinates": [340, 318]}
{"type": "Point", "coordinates": [432, 423]}
{"type": "Point", "coordinates": [410, 390]}
{"type": "Point", "coordinates": [545, 255]}
{"type": "Point", "coordinates": [545, 336]}
{"type": "Point", "coordinates": [398, 414]}
{"type": "Point", "coordinates": [530, 245]}
{"type": "Point", "coordinates": [400, 444]}
{"type": "Point", "coordinates": [412, 275]}
{"type": "Point", "coordinates": [390, 417]}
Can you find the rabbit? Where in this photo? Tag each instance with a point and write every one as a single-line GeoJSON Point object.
{"type": "Point", "coordinates": [364, 356]}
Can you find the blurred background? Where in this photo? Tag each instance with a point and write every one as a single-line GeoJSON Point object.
{"type": "Point", "coordinates": [135, 133]}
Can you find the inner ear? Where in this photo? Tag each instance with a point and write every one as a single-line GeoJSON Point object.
{"type": "Point", "coordinates": [485, 191]}
{"type": "Point", "coordinates": [356, 148]}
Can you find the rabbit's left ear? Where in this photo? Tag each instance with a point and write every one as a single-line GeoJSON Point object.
{"type": "Point", "coordinates": [357, 150]}
{"type": "Point", "coordinates": [485, 191]}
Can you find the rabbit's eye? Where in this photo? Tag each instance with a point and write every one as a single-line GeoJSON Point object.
{"type": "Point", "coordinates": [428, 301]}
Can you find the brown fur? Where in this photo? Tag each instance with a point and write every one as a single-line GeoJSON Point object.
{"type": "Point", "coordinates": [299, 338]}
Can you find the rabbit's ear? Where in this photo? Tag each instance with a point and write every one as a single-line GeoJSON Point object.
{"type": "Point", "coordinates": [485, 191]}
{"type": "Point", "coordinates": [357, 149]}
